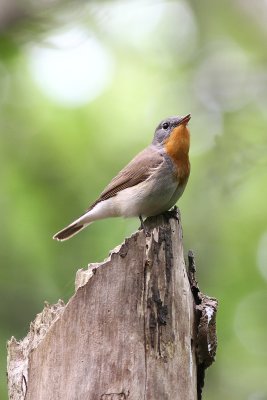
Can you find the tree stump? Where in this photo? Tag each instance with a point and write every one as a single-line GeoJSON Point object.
{"type": "Point", "coordinates": [136, 328]}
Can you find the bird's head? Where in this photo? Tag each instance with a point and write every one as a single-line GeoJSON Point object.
{"type": "Point", "coordinates": [170, 126]}
{"type": "Point", "coordinates": [173, 134]}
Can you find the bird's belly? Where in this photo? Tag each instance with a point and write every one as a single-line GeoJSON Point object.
{"type": "Point", "coordinates": [176, 195]}
{"type": "Point", "coordinates": [147, 198]}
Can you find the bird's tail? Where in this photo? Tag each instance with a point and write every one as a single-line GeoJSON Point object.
{"type": "Point", "coordinates": [70, 230]}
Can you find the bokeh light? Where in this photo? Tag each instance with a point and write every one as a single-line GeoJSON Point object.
{"type": "Point", "coordinates": [75, 68]}
{"type": "Point", "coordinates": [251, 313]}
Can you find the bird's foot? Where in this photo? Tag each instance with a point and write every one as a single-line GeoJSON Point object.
{"type": "Point", "coordinates": [173, 213]}
{"type": "Point", "coordinates": [144, 227]}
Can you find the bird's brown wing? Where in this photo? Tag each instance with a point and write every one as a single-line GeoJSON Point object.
{"type": "Point", "coordinates": [137, 171]}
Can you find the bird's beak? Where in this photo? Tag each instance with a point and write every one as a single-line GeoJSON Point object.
{"type": "Point", "coordinates": [185, 120]}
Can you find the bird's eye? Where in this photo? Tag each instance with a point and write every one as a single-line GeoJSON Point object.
{"type": "Point", "coordinates": [165, 125]}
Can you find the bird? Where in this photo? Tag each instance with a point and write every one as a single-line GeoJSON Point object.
{"type": "Point", "coordinates": [149, 185]}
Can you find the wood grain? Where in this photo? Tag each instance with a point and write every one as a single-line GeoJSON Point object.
{"type": "Point", "coordinates": [128, 332]}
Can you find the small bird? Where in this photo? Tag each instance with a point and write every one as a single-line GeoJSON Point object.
{"type": "Point", "coordinates": [149, 185]}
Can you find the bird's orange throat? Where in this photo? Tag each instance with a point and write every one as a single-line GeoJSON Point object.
{"type": "Point", "coordinates": [177, 147]}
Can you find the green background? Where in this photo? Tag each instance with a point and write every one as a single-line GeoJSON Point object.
{"type": "Point", "coordinates": [164, 58]}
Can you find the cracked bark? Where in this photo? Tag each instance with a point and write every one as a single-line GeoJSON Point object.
{"type": "Point", "coordinates": [136, 328]}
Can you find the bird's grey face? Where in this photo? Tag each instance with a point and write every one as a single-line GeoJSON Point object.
{"type": "Point", "coordinates": [166, 126]}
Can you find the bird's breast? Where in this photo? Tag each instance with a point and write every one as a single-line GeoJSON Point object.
{"type": "Point", "coordinates": [177, 149]}
{"type": "Point", "coordinates": [182, 170]}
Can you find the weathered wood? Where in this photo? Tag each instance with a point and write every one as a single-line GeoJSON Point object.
{"type": "Point", "coordinates": [128, 332]}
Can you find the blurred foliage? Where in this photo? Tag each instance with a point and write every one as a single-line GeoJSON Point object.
{"type": "Point", "coordinates": [165, 58]}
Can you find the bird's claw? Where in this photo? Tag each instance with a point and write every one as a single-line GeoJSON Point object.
{"type": "Point", "coordinates": [173, 213]}
{"type": "Point", "coordinates": [147, 233]}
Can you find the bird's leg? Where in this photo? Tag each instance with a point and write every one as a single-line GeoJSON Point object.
{"type": "Point", "coordinates": [143, 226]}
